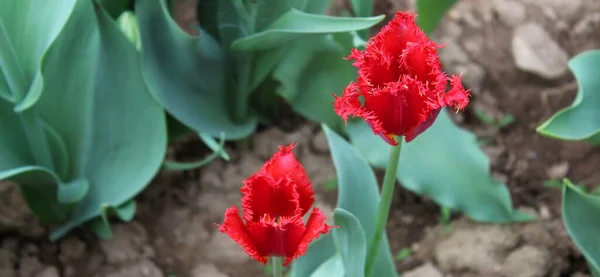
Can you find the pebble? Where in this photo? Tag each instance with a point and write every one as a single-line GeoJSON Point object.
{"type": "Point", "coordinates": [512, 13]}
{"type": "Point", "coordinates": [536, 52]}
{"type": "Point", "coordinates": [426, 270]}
{"type": "Point", "coordinates": [527, 261]}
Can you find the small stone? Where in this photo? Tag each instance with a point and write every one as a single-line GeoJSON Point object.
{"type": "Point", "coordinates": [126, 244]}
{"type": "Point", "coordinates": [207, 270]}
{"type": "Point", "coordinates": [319, 142]}
{"type": "Point", "coordinates": [426, 270]}
{"type": "Point", "coordinates": [49, 271]}
{"type": "Point", "coordinates": [71, 248]}
{"type": "Point", "coordinates": [558, 171]}
{"type": "Point", "coordinates": [510, 12]}
{"type": "Point", "coordinates": [144, 268]}
{"type": "Point", "coordinates": [452, 54]}
{"type": "Point", "coordinates": [222, 248]}
{"type": "Point", "coordinates": [28, 266]}
{"type": "Point", "coordinates": [536, 52]}
{"type": "Point", "coordinates": [15, 215]}
{"type": "Point", "coordinates": [474, 44]}
{"type": "Point", "coordinates": [527, 261]}
{"type": "Point", "coordinates": [587, 25]}
{"type": "Point", "coordinates": [452, 29]}
{"type": "Point", "coordinates": [7, 261]}
{"type": "Point", "coordinates": [478, 248]}
{"type": "Point", "coordinates": [472, 74]}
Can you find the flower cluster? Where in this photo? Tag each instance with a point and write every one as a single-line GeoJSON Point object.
{"type": "Point", "coordinates": [274, 201]}
{"type": "Point", "coordinates": [400, 81]}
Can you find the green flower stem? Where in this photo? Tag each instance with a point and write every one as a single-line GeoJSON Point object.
{"type": "Point", "coordinates": [17, 84]}
{"type": "Point", "coordinates": [389, 182]}
{"type": "Point", "coordinates": [277, 266]}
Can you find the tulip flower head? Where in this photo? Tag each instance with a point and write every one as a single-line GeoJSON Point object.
{"type": "Point", "coordinates": [400, 81]}
{"type": "Point", "coordinates": [274, 201]}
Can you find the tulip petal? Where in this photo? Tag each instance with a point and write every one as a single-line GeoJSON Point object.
{"type": "Point", "coordinates": [314, 228]}
{"type": "Point", "coordinates": [265, 196]}
{"type": "Point", "coordinates": [235, 229]}
{"type": "Point", "coordinates": [284, 164]}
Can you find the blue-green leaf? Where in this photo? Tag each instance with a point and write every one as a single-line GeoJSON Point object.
{"type": "Point", "coordinates": [446, 164]}
{"type": "Point", "coordinates": [580, 121]}
{"type": "Point", "coordinates": [313, 73]}
{"type": "Point", "coordinates": [187, 74]}
{"type": "Point", "coordinates": [331, 267]}
{"type": "Point", "coordinates": [100, 104]}
{"type": "Point", "coordinates": [358, 194]}
{"type": "Point", "coordinates": [431, 13]}
{"type": "Point", "coordinates": [295, 24]}
{"type": "Point", "coordinates": [581, 215]}
{"type": "Point", "coordinates": [350, 243]}
{"type": "Point", "coordinates": [170, 165]}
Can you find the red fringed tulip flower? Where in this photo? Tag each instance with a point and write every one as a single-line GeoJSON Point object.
{"type": "Point", "coordinates": [274, 201]}
{"type": "Point", "coordinates": [401, 82]}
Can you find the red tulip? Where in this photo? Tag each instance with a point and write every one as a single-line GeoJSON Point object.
{"type": "Point", "coordinates": [400, 81]}
{"type": "Point", "coordinates": [274, 201]}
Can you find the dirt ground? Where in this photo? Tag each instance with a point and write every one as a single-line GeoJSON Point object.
{"type": "Point", "coordinates": [174, 233]}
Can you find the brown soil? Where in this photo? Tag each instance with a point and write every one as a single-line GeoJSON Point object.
{"type": "Point", "coordinates": [174, 234]}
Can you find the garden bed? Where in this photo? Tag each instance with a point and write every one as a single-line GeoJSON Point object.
{"type": "Point", "coordinates": [174, 232]}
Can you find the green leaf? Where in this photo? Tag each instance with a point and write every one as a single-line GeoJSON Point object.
{"type": "Point", "coordinates": [319, 251]}
{"type": "Point", "coordinates": [186, 74]}
{"type": "Point", "coordinates": [126, 212]}
{"type": "Point", "coordinates": [114, 129]}
{"type": "Point", "coordinates": [267, 11]}
{"type": "Point", "coordinates": [73, 192]}
{"type": "Point", "coordinates": [39, 188]}
{"type": "Point", "coordinates": [331, 267]}
{"type": "Point", "coordinates": [580, 121]}
{"type": "Point", "coordinates": [169, 165]}
{"type": "Point", "coordinates": [581, 216]}
{"type": "Point", "coordinates": [431, 13]}
{"type": "Point", "coordinates": [313, 73]}
{"type": "Point", "coordinates": [295, 24]}
{"type": "Point", "coordinates": [350, 243]}
{"type": "Point", "coordinates": [216, 146]}
{"type": "Point", "coordinates": [129, 27]}
{"type": "Point", "coordinates": [445, 164]}
{"type": "Point", "coordinates": [359, 195]}
{"type": "Point", "coordinates": [30, 41]}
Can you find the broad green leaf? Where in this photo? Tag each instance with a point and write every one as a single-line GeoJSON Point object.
{"type": "Point", "coordinates": [580, 121]}
{"type": "Point", "coordinates": [267, 11]}
{"type": "Point", "coordinates": [4, 90]}
{"type": "Point", "coordinates": [295, 24]}
{"type": "Point", "coordinates": [30, 41]}
{"type": "Point", "coordinates": [13, 141]}
{"type": "Point", "coordinates": [316, 71]}
{"type": "Point", "coordinates": [431, 12]}
{"type": "Point", "coordinates": [319, 251]}
{"type": "Point", "coordinates": [115, 130]}
{"type": "Point", "coordinates": [359, 195]}
{"type": "Point", "coordinates": [39, 188]}
{"type": "Point", "coordinates": [73, 192]}
{"type": "Point", "coordinates": [350, 243]}
{"type": "Point", "coordinates": [331, 267]}
{"type": "Point", "coordinates": [581, 216]}
{"type": "Point", "coordinates": [186, 74]}
{"type": "Point", "coordinates": [445, 164]}
{"type": "Point", "coordinates": [58, 148]}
